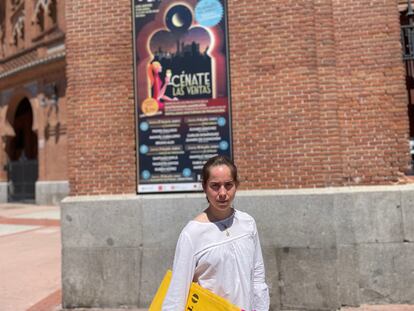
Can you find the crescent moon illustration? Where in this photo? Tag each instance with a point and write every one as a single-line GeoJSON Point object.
{"type": "Point", "coordinates": [177, 21]}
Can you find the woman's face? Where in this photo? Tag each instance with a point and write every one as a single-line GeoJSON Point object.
{"type": "Point", "coordinates": [220, 188]}
{"type": "Point", "coordinates": [158, 68]}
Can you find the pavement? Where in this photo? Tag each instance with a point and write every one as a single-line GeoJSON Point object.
{"type": "Point", "coordinates": [30, 262]}
{"type": "Point", "coordinates": [30, 257]}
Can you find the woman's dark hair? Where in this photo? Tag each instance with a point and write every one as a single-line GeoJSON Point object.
{"type": "Point", "coordinates": [216, 161]}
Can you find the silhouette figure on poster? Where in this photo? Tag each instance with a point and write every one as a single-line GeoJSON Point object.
{"type": "Point", "coordinates": [181, 49]}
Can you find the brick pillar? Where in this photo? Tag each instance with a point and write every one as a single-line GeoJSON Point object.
{"type": "Point", "coordinates": [372, 98]}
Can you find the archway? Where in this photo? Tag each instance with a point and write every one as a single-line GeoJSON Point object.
{"type": "Point", "coordinates": [21, 150]}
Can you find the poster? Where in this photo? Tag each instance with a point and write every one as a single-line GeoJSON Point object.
{"type": "Point", "coordinates": [182, 91]}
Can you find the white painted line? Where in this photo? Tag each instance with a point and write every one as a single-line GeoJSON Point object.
{"type": "Point", "coordinates": [47, 231]}
{"type": "Point", "coordinates": [10, 229]}
{"type": "Point", "coordinates": [40, 215]}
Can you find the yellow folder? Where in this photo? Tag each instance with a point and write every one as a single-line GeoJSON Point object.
{"type": "Point", "coordinates": [199, 299]}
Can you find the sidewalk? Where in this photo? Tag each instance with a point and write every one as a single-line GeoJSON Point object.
{"type": "Point", "coordinates": [30, 257]}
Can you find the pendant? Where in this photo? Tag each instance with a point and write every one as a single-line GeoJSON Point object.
{"type": "Point", "coordinates": [227, 232]}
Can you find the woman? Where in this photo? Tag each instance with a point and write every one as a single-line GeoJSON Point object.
{"type": "Point", "coordinates": [220, 248]}
{"type": "Point", "coordinates": [158, 89]}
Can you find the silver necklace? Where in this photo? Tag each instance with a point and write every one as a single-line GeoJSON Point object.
{"type": "Point", "coordinates": [227, 230]}
{"type": "Point", "coordinates": [225, 224]}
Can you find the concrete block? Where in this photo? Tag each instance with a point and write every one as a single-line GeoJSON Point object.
{"type": "Point", "coordinates": [3, 192]}
{"type": "Point", "coordinates": [348, 277]}
{"type": "Point", "coordinates": [106, 223]}
{"type": "Point", "coordinates": [272, 276]}
{"type": "Point", "coordinates": [407, 208]}
{"type": "Point", "coordinates": [156, 262]}
{"type": "Point", "coordinates": [405, 273]}
{"type": "Point", "coordinates": [165, 217]}
{"type": "Point", "coordinates": [308, 278]}
{"type": "Point", "coordinates": [51, 192]}
{"type": "Point", "coordinates": [368, 217]}
{"type": "Point", "coordinates": [292, 220]}
{"type": "Point", "coordinates": [386, 273]}
{"type": "Point", "coordinates": [101, 277]}
{"type": "Point", "coordinates": [322, 248]}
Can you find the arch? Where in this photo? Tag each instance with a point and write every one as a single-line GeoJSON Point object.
{"type": "Point", "coordinates": [18, 31]}
{"type": "Point", "coordinates": [22, 152]}
{"type": "Point", "coordinates": [53, 11]}
{"type": "Point", "coordinates": [41, 5]}
{"type": "Point", "coordinates": [40, 17]}
{"type": "Point", "coordinates": [24, 142]}
{"type": "Point", "coordinates": [12, 105]}
{"type": "Point", "coordinates": [44, 9]}
{"type": "Point", "coordinates": [2, 37]}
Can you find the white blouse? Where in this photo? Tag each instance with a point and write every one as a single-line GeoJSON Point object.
{"type": "Point", "coordinates": [224, 257]}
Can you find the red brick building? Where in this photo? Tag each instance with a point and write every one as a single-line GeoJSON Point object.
{"type": "Point", "coordinates": [33, 106]}
{"type": "Point", "coordinates": [319, 103]}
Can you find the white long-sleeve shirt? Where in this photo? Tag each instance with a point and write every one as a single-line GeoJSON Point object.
{"type": "Point", "coordinates": [224, 257]}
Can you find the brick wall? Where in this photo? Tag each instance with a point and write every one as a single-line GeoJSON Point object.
{"type": "Point", "coordinates": [101, 134]}
{"type": "Point", "coordinates": [318, 95]}
{"type": "Point", "coordinates": [318, 87]}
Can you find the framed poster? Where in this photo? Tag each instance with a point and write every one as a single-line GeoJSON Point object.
{"type": "Point", "coordinates": [182, 91]}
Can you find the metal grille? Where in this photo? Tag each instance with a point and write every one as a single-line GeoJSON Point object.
{"type": "Point", "coordinates": [22, 178]}
{"type": "Point", "coordinates": [407, 40]}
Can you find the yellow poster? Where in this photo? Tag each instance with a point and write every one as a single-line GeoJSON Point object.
{"type": "Point", "coordinates": [199, 299]}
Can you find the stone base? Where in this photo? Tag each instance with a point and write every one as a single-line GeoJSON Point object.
{"type": "Point", "coordinates": [323, 248]}
{"type": "Point", "coordinates": [3, 192]}
{"type": "Point", "coordinates": [51, 192]}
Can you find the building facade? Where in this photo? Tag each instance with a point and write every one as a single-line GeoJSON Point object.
{"type": "Point", "coordinates": [33, 107]}
{"type": "Point", "coordinates": [320, 133]}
